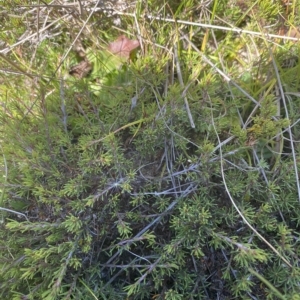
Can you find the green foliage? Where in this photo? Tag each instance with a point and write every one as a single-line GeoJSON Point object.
{"type": "Point", "coordinates": [109, 192]}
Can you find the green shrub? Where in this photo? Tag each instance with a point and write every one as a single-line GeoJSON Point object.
{"type": "Point", "coordinates": [109, 190]}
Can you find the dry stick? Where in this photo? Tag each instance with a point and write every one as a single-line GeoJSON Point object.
{"type": "Point", "coordinates": [182, 85]}
{"type": "Point", "coordinates": [209, 26]}
{"type": "Point", "coordinates": [65, 5]}
{"type": "Point", "coordinates": [14, 212]}
{"type": "Point", "coordinates": [279, 135]}
{"type": "Point", "coordinates": [80, 9]}
{"type": "Point", "coordinates": [139, 33]}
{"type": "Point", "coordinates": [38, 21]}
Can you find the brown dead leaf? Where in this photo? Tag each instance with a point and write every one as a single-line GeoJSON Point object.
{"type": "Point", "coordinates": [123, 46]}
{"type": "Point", "coordinates": [82, 69]}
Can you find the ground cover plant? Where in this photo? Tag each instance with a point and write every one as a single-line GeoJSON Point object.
{"type": "Point", "coordinates": [150, 150]}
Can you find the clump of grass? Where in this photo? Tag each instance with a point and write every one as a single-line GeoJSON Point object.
{"type": "Point", "coordinates": [171, 176]}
